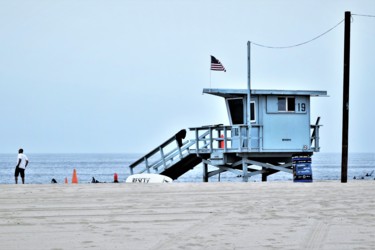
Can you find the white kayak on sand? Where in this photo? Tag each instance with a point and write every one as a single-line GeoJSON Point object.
{"type": "Point", "coordinates": [148, 178]}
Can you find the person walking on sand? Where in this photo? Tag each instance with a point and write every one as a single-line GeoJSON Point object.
{"type": "Point", "coordinates": [22, 162]}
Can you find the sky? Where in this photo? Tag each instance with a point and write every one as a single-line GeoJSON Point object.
{"type": "Point", "coordinates": [106, 76]}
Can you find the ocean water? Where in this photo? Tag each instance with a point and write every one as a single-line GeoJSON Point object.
{"type": "Point", "coordinates": [43, 167]}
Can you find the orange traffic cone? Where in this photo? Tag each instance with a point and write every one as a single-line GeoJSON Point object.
{"type": "Point", "coordinates": [66, 180]}
{"type": "Point", "coordinates": [115, 178]}
{"type": "Point", "coordinates": [74, 178]}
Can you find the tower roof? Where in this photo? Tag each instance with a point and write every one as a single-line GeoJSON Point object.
{"type": "Point", "coordinates": [241, 92]}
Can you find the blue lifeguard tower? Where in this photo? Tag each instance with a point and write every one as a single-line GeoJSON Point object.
{"type": "Point", "coordinates": [267, 128]}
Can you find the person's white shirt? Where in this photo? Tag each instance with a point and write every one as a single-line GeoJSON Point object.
{"type": "Point", "coordinates": [23, 160]}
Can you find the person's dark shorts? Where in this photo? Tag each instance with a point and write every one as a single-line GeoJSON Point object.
{"type": "Point", "coordinates": [19, 171]}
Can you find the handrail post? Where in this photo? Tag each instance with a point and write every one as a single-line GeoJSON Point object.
{"type": "Point", "coordinates": [248, 133]}
{"type": "Point", "coordinates": [241, 139]}
{"type": "Point", "coordinates": [225, 139]}
{"type": "Point", "coordinates": [317, 139]}
{"type": "Point", "coordinates": [197, 141]}
{"type": "Point", "coordinates": [211, 140]}
{"type": "Point", "coordinates": [179, 150]}
{"type": "Point", "coordinates": [260, 138]}
{"type": "Point", "coordinates": [162, 156]}
{"type": "Point", "coordinates": [147, 166]}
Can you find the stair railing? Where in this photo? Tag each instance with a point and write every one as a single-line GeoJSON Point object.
{"type": "Point", "coordinates": [162, 157]}
{"type": "Point", "coordinates": [315, 136]}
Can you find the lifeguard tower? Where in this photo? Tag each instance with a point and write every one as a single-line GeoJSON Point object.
{"type": "Point", "coordinates": [264, 133]}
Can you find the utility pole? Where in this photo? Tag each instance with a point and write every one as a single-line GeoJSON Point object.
{"type": "Point", "coordinates": [345, 105]}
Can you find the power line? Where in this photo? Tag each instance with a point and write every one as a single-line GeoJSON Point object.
{"type": "Point", "coordinates": [298, 44]}
{"type": "Point", "coordinates": [363, 15]}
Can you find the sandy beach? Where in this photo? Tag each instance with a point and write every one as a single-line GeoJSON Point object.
{"type": "Point", "coordinates": [254, 215]}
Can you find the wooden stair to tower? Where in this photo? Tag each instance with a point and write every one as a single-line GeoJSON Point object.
{"type": "Point", "coordinates": [172, 158]}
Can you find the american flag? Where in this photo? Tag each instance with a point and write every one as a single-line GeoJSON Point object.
{"type": "Point", "coordinates": [216, 65]}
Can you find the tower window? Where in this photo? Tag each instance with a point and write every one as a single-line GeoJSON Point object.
{"type": "Point", "coordinates": [286, 104]}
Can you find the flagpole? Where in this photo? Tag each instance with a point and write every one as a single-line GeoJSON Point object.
{"type": "Point", "coordinates": [248, 97]}
{"type": "Point", "coordinates": [210, 73]}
